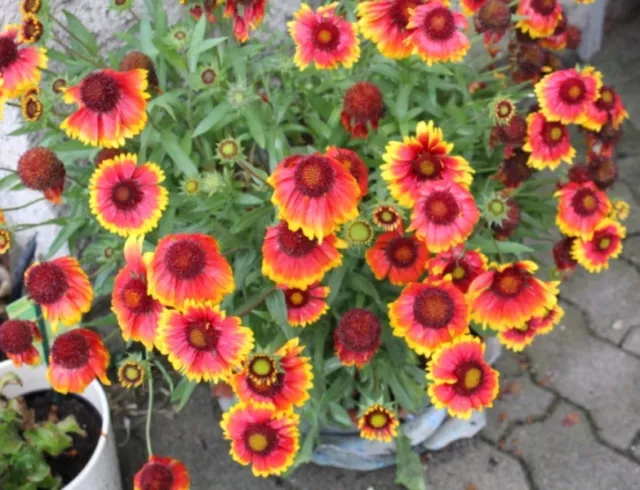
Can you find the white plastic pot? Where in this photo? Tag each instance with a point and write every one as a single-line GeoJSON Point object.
{"type": "Point", "coordinates": [102, 472]}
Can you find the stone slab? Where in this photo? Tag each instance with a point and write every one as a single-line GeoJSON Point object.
{"type": "Point", "coordinates": [622, 190]}
{"type": "Point", "coordinates": [632, 341]}
{"type": "Point", "coordinates": [631, 250]}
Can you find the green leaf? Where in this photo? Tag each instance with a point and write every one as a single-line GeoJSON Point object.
{"type": "Point", "coordinates": [165, 374]}
{"type": "Point", "coordinates": [256, 127]}
{"type": "Point", "coordinates": [366, 286]}
{"type": "Point", "coordinates": [409, 470]}
{"type": "Point", "coordinates": [498, 246]}
{"type": "Point", "coordinates": [64, 234]}
{"type": "Point", "coordinates": [10, 440]}
{"type": "Point", "coordinates": [402, 104]}
{"type": "Point", "coordinates": [208, 44]}
{"type": "Point", "coordinates": [146, 38]}
{"type": "Point", "coordinates": [251, 218]}
{"type": "Point", "coordinates": [335, 280]}
{"type": "Point", "coordinates": [108, 319]}
{"type": "Point", "coordinates": [81, 32]}
{"type": "Point", "coordinates": [178, 155]}
{"type": "Point", "coordinates": [212, 118]}
{"type": "Point", "coordinates": [194, 45]}
{"type": "Point", "coordinates": [48, 437]}
{"type": "Point", "coordinates": [9, 180]}
{"type": "Point", "coordinates": [183, 392]}
{"type": "Point", "coordinates": [340, 415]}
{"type": "Point", "coordinates": [277, 307]}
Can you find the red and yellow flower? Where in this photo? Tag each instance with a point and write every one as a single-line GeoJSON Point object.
{"type": "Point", "coordinates": [30, 29]}
{"type": "Point", "coordinates": [541, 17]}
{"type": "Point", "coordinates": [471, 7]}
{"type": "Point", "coordinates": [384, 22]}
{"type": "Point", "coordinates": [61, 288]}
{"type": "Point", "coordinates": [112, 107]}
{"type": "Point", "coordinates": [548, 143]}
{"type": "Point", "coordinates": [315, 194]}
{"type": "Point", "coordinates": [565, 95]}
{"type": "Point", "coordinates": [16, 341]}
{"type": "Point", "coordinates": [429, 314]}
{"type": "Point", "coordinates": [40, 169]}
{"type": "Point", "coordinates": [416, 161]}
{"type": "Point", "coordinates": [516, 339]}
{"type": "Point", "coordinates": [250, 18]}
{"type": "Point", "coordinates": [357, 337]}
{"type": "Point", "coordinates": [136, 310]}
{"type": "Point", "coordinates": [324, 38]}
{"type": "Point", "coordinates": [387, 217]}
{"type": "Point", "coordinates": [305, 306]}
{"type": "Point", "coordinates": [30, 6]}
{"type": "Point", "coordinates": [131, 373]}
{"type": "Point", "coordinates": [378, 423]}
{"type": "Point", "coordinates": [77, 358]}
{"type": "Point", "coordinates": [581, 208]}
{"type": "Point", "coordinates": [354, 164]}
{"type": "Point", "coordinates": [462, 265]}
{"type": "Point", "coordinates": [160, 473]}
{"type": "Point", "coordinates": [606, 243]}
{"type": "Point", "coordinates": [397, 256]}
{"type": "Point", "coordinates": [188, 266]}
{"type": "Point", "coordinates": [5, 241]}
{"type": "Point", "coordinates": [545, 324]}
{"type": "Point", "coordinates": [279, 382]}
{"type": "Point", "coordinates": [619, 211]}
{"type": "Point", "coordinates": [462, 381]}
{"type": "Point", "coordinates": [444, 215]}
{"type": "Point", "coordinates": [260, 437]}
{"type": "Point", "coordinates": [20, 64]}
{"type": "Point", "coordinates": [607, 107]}
{"type": "Point", "coordinates": [436, 34]}
{"type": "Point", "coordinates": [127, 198]}
{"type": "Point", "coordinates": [508, 295]}
{"type": "Point", "coordinates": [292, 259]}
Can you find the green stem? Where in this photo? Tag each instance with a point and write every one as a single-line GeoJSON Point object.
{"type": "Point", "coordinates": [35, 225]}
{"type": "Point", "coordinates": [134, 15]}
{"type": "Point", "coordinates": [257, 301]}
{"type": "Point", "coordinates": [45, 346]}
{"type": "Point", "coordinates": [23, 206]}
{"type": "Point", "coordinates": [72, 35]}
{"type": "Point", "coordinates": [247, 167]}
{"type": "Point", "coordinates": [4, 169]}
{"type": "Point", "coordinates": [72, 52]}
{"type": "Point", "coordinates": [149, 407]}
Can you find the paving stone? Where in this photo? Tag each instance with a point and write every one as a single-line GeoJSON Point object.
{"type": "Point", "coordinates": [610, 298]}
{"type": "Point", "coordinates": [593, 374]}
{"type": "Point", "coordinates": [314, 477]}
{"type": "Point", "coordinates": [519, 400]}
{"type": "Point", "coordinates": [632, 341]}
{"type": "Point", "coordinates": [511, 364]}
{"type": "Point", "coordinates": [623, 191]}
{"type": "Point", "coordinates": [563, 454]}
{"type": "Point", "coordinates": [631, 250]}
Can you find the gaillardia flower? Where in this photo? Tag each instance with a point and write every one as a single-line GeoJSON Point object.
{"type": "Point", "coordinates": [323, 38]}
{"type": "Point", "coordinates": [608, 107]}
{"type": "Point", "coordinates": [30, 29]}
{"type": "Point", "coordinates": [127, 198]}
{"type": "Point", "coordinates": [292, 259]}
{"type": "Point", "coordinates": [31, 107]}
{"type": "Point", "coordinates": [397, 256]}
{"type": "Point", "coordinates": [435, 34]}
{"type": "Point", "coordinates": [502, 111]}
{"type": "Point", "coordinates": [136, 311]}
{"type": "Point", "coordinates": [201, 342]}
{"type": "Point", "coordinates": [541, 17]}
{"type": "Point", "coordinates": [562, 255]}
{"type": "Point", "coordinates": [305, 306]}
{"type": "Point", "coordinates": [384, 22]}
{"type": "Point", "coordinates": [516, 339]}
{"type": "Point", "coordinates": [77, 358]}
{"type": "Point", "coordinates": [61, 288]}
{"type": "Point", "coordinates": [462, 265]}
{"type": "Point", "coordinates": [20, 65]}
{"type": "Point", "coordinates": [362, 107]}
{"type": "Point", "coordinates": [160, 473]}
{"type": "Point", "coordinates": [444, 215]}
{"type": "Point", "coordinates": [315, 194]}
{"type": "Point", "coordinates": [112, 107]}
{"type": "Point", "coordinates": [134, 60]}
{"type": "Point", "coordinates": [5, 241]}
{"type": "Point", "coordinates": [40, 169]}
{"type": "Point", "coordinates": [263, 438]}
{"type": "Point", "coordinates": [514, 170]}
{"type": "Point", "coordinates": [471, 7]}
{"type": "Point", "coordinates": [565, 95]}
{"type": "Point", "coordinates": [508, 295]}
{"type": "Point", "coordinates": [357, 337]}
{"type": "Point", "coordinates": [416, 161]}
{"type": "Point", "coordinates": [246, 14]}
{"type": "Point", "coordinates": [428, 314]}
{"type": "Point", "coordinates": [619, 212]}
{"type": "Point", "coordinates": [279, 382]}
{"type": "Point", "coordinates": [107, 154]}
{"type": "Point", "coordinates": [354, 164]}
{"type": "Point", "coordinates": [462, 380]}
{"type": "Point", "coordinates": [188, 266]}
{"type": "Point", "coordinates": [548, 143]}
{"type": "Point", "coordinates": [545, 324]}
{"type": "Point", "coordinates": [581, 208]}
{"type": "Point", "coordinates": [131, 374]}
{"type": "Point", "coordinates": [358, 233]}
{"type": "Point", "coordinates": [378, 423]}
{"type": "Point", "coordinates": [606, 243]}
{"type": "Point", "coordinates": [387, 217]}
{"type": "Point", "coordinates": [16, 341]}
{"type": "Point", "coordinates": [30, 6]}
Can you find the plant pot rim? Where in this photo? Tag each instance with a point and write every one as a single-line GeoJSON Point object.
{"type": "Point", "coordinates": [103, 410]}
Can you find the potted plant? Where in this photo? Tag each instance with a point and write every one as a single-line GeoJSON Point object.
{"type": "Point", "coordinates": [334, 228]}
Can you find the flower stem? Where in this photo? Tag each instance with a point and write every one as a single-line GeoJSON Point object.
{"type": "Point", "coordinates": [71, 52]}
{"type": "Point", "coordinates": [35, 225]}
{"type": "Point", "coordinates": [4, 169]}
{"type": "Point", "coordinates": [247, 167]}
{"type": "Point", "coordinates": [257, 301]}
{"type": "Point", "coordinates": [23, 206]}
{"type": "Point", "coordinates": [71, 34]}
{"type": "Point", "coordinates": [45, 347]}
{"type": "Point", "coordinates": [149, 407]}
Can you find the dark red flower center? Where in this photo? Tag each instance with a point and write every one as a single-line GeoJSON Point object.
{"type": "Point", "coordinates": [402, 252]}
{"type": "Point", "coordinates": [8, 52]}
{"type": "Point", "coordinates": [314, 176]}
{"type": "Point", "coordinates": [510, 282]}
{"type": "Point", "coordinates": [16, 336]}
{"type": "Point", "coordinates": [359, 330]}
{"type": "Point", "coordinates": [401, 12]}
{"type": "Point", "coordinates": [100, 92]}
{"type": "Point", "coordinates": [363, 102]}
{"type": "Point", "coordinates": [260, 438]}
{"type": "Point", "coordinates": [126, 195]}
{"type": "Point", "coordinates": [46, 283]}
{"type": "Point", "coordinates": [470, 376]}
{"type": "Point", "coordinates": [573, 91]}
{"type": "Point", "coordinates": [378, 419]}
{"type": "Point", "coordinates": [31, 29]}
{"type": "Point", "coordinates": [544, 7]}
{"type": "Point", "coordinates": [433, 308]}
{"type": "Point", "coordinates": [427, 166]}
{"type": "Point", "coordinates": [202, 336]}
{"type": "Point", "coordinates": [294, 243]}
{"type": "Point", "coordinates": [135, 297]}
{"type": "Point", "coordinates": [387, 216]}
{"type": "Point", "coordinates": [562, 254]}
{"type": "Point", "coordinates": [504, 109]}
{"type": "Point", "coordinates": [31, 6]}
{"type": "Point", "coordinates": [585, 202]}
{"type": "Point", "coordinates": [33, 108]}
{"type": "Point", "coordinates": [553, 133]}
{"type": "Point", "coordinates": [439, 24]}
{"type": "Point", "coordinates": [326, 35]}
{"type": "Point", "coordinates": [156, 476]}
{"type": "Point", "coordinates": [296, 298]}
{"type": "Point", "coordinates": [185, 259]}
{"type": "Point", "coordinates": [208, 76]}
{"type": "Point", "coordinates": [441, 208]}
{"type": "Point", "coordinates": [70, 350]}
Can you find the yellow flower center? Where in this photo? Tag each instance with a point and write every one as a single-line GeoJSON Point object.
{"type": "Point", "coordinates": [261, 367]}
{"type": "Point", "coordinates": [229, 149]}
{"type": "Point", "coordinates": [132, 298]}
{"type": "Point", "coordinates": [604, 243]}
{"type": "Point", "coordinates": [379, 420]}
{"type": "Point", "coordinates": [458, 272]}
{"type": "Point", "coordinates": [504, 109]}
{"type": "Point", "coordinates": [556, 134]}
{"type": "Point", "coordinates": [403, 254]}
{"type": "Point", "coordinates": [510, 284]}
{"type": "Point", "coordinates": [472, 378]}
{"type": "Point", "coordinates": [589, 202]}
{"type": "Point", "coordinates": [496, 207]}
{"type": "Point", "coordinates": [438, 22]}
{"type": "Point", "coordinates": [427, 168]}
{"type": "Point", "coordinates": [607, 97]}
{"type": "Point", "coordinates": [575, 92]}
{"type": "Point", "coordinates": [132, 373]}
{"type": "Point", "coordinates": [191, 186]}
{"type": "Point", "coordinates": [360, 232]}
{"type": "Point", "coordinates": [312, 176]}
{"type": "Point", "coordinates": [438, 208]}
{"type": "Point", "coordinates": [258, 442]}
{"type": "Point", "coordinates": [387, 216]}
{"type": "Point", "coordinates": [325, 36]}
{"type": "Point", "coordinates": [197, 338]}
{"type": "Point", "coordinates": [296, 298]}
